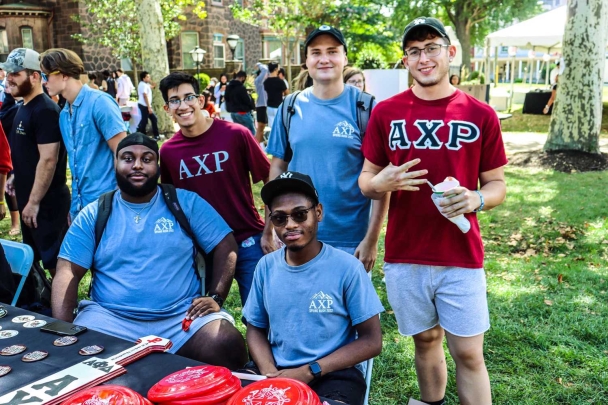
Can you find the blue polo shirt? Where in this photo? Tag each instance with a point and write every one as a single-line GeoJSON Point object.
{"type": "Point", "coordinates": [94, 120]}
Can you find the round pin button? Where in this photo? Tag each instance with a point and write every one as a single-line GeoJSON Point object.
{"type": "Point", "coordinates": [4, 370]}
{"type": "Point", "coordinates": [36, 323]}
{"type": "Point", "coordinates": [90, 350]}
{"type": "Point", "coordinates": [5, 334]}
{"type": "Point", "coordinates": [34, 356]}
{"type": "Point", "coordinates": [3, 312]}
{"type": "Point", "coordinates": [12, 350]}
{"type": "Point", "coordinates": [65, 341]}
{"type": "Point", "coordinates": [23, 318]}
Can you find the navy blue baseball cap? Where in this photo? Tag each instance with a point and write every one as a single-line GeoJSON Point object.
{"type": "Point", "coordinates": [325, 29]}
{"type": "Point", "coordinates": [430, 22]}
{"type": "Point", "coordinates": [289, 182]}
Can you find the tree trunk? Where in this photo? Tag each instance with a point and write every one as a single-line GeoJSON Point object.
{"type": "Point", "coordinates": [154, 56]}
{"type": "Point", "coordinates": [577, 112]}
{"type": "Point", "coordinates": [464, 36]}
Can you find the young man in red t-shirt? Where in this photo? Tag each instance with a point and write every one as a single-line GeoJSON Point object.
{"type": "Point", "coordinates": [434, 272]}
{"type": "Point", "coordinates": [215, 159]}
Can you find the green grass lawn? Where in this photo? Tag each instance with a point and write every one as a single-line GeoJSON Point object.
{"type": "Point", "coordinates": [547, 270]}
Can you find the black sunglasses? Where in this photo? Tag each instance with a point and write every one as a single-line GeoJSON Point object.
{"type": "Point", "coordinates": [299, 216]}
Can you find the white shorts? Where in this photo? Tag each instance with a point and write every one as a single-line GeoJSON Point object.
{"type": "Point", "coordinates": [424, 296]}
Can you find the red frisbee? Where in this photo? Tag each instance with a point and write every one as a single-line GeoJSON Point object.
{"type": "Point", "coordinates": [275, 391]}
{"type": "Point", "coordinates": [215, 397]}
{"type": "Point", "coordinates": [106, 394]}
{"type": "Point", "coordinates": [190, 383]}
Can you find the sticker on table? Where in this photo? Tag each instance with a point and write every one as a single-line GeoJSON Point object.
{"type": "Point", "coordinates": [65, 341]}
{"type": "Point", "coordinates": [3, 312]}
{"type": "Point", "coordinates": [90, 350]}
{"type": "Point", "coordinates": [23, 318]}
{"type": "Point", "coordinates": [34, 324]}
{"type": "Point", "coordinates": [5, 334]}
{"type": "Point", "coordinates": [35, 356]}
{"type": "Point", "coordinates": [4, 370]}
{"type": "Point", "coordinates": [12, 350]}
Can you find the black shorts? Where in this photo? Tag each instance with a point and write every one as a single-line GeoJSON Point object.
{"type": "Point", "coordinates": [261, 115]}
{"type": "Point", "coordinates": [347, 386]}
{"type": "Point", "coordinates": [52, 221]}
{"type": "Point", "coordinates": [11, 202]}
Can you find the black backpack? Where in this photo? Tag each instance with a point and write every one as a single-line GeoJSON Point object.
{"type": "Point", "coordinates": [203, 260]}
{"type": "Point", "coordinates": [365, 103]}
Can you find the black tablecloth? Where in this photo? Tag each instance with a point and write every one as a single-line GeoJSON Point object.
{"type": "Point", "coordinates": [535, 102]}
{"type": "Point", "coordinates": [141, 375]}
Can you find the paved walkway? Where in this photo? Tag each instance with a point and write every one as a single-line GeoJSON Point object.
{"type": "Point", "coordinates": [529, 141]}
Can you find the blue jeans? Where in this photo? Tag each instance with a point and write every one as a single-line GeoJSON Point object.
{"type": "Point", "coordinates": [248, 257]}
{"type": "Point", "coordinates": [245, 120]}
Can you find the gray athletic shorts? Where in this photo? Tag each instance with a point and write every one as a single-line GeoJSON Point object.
{"type": "Point", "coordinates": [423, 296]}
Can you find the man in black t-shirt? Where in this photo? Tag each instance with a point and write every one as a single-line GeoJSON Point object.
{"type": "Point", "coordinates": [275, 89]}
{"type": "Point", "coordinates": [39, 159]}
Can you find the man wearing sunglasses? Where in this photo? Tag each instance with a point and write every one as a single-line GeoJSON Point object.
{"type": "Point", "coordinates": [217, 160]}
{"type": "Point", "coordinates": [312, 314]}
{"type": "Point", "coordinates": [434, 272]}
{"type": "Point", "coordinates": [39, 159]}
{"type": "Point", "coordinates": [91, 125]}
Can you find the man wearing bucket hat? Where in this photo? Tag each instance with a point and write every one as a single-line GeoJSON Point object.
{"type": "Point", "coordinates": [322, 136]}
{"type": "Point", "coordinates": [39, 159]}
{"type": "Point", "coordinates": [312, 311]}
{"type": "Point", "coordinates": [144, 271]}
{"type": "Point", "coordinates": [434, 272]}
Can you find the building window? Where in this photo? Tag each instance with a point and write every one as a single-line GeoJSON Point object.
{"type": "Point", "coordinates": [216, 3]}
{"type": "Point", "coordinates": [239, 52]}
{"type": "Point", "coordinates": [189, 41]}
{"type": "Point", "coordinates": [273, 49]}
{"type": "Point", "coordinates": [219, 51]}
{"type": "Point", "coordinates": [27, 37]}
{"type": "Point", "coordinates": [3, 41]}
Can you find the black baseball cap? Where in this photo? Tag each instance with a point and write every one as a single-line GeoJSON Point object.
{"type": "Point", "coordinates": [430, 22]}
{"type": "Point", "coordinates": [325, 29]}
{"type": "Point", "coordinates": [137, 138]}
{"type": "Point", "coordinates": [289, 182]}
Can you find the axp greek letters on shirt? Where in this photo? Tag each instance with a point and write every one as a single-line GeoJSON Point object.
{"type": "Point", "coordinates": [456, 136]}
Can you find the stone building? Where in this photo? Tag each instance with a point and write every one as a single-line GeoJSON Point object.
{"type": "Point", "coordinates": [43, 24]}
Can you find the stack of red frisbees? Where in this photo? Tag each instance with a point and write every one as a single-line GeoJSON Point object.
{"type": "Point", "coordinates": [202, 385]}
{"type": "Point", "coordinates": [275, 391]}
{"type": "Point", "coordinates": [107, 394]}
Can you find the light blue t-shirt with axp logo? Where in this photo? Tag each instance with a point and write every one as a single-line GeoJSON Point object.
{"type": "Point", "coordinates": [311, 310]}
{"type": "Point", "coordinates": [326, 144]}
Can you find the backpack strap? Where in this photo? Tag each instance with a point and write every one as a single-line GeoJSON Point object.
{"type": "Point", "coordinates": [104, 209]}
{"type": "Point", "coordinates": [287, 111]}
{"type": "Point", "coordinates": [365, 103]}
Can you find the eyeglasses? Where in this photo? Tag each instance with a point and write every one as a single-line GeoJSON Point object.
{"type": "Point", "coordinates": [355, 82]}
{"type": "Point", "coordinates": [299, 216]}
{"type": "Point", "coordinates": [174, 103]}
{"type": "Point", "coordinates": [430, 50]}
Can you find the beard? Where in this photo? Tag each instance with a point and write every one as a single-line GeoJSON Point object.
{"type": "Point", "coordinates": [137, 191]}
{"type": "Point", "coordinates": [21, 90]}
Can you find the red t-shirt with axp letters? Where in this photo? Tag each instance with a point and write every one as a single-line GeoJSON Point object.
{"type": "Point", "coordinates": [216, 165]}
{"type": "Point", "coordinates": [456, 136]}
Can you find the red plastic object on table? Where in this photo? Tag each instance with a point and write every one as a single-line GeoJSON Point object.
{"type": "Point", "coordinates": [274, 391]}
{"type": "Point", "coordinates": [190, 383]}
{"type": "Point", "coordinates": [106, 394]}
{"type": "Point", "coordinates": [218, 396]}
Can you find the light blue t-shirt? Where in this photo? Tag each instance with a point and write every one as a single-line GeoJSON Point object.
{"type": "Point", "coordinates": [326, 145]}
{"type": "Point", "coordinates": [311, 310]}
{"type": "Point", "coordinates": [144, 270]}
{"type": "Point", "coordinates": [95, 119]}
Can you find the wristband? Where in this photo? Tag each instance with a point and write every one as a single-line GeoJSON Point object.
{"type": "Point", "coordinates": [2, 203]}
{"type": "Point", "coordinates": [483, 203]}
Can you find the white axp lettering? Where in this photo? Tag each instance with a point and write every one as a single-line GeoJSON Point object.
{"type": "Point", "coordinates": [203, 166]}
{"type": "Point", "coordinates": [462, 131]}
{"type": "Point", "coordinates": [321, 302]}
{"type": "Point", "coordinates": [397, 137]}
{"type": "Point", "coordinates": [429, 139]}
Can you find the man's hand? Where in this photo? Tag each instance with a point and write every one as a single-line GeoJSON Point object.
{"type": "Point", "coordinates": [301, 373]}
{"type": "Point", "coordinates": [367, 252]}
{"type": "Point", "coordinates": [459, 200]}
{"type": "Point", "coordinates": [395, 178]}
{"type": "Point", "coordinates": [150, 111]}
{"type": "Point", "coordinates": [202, 306]}
{"type": "Point", "coordinates": [267, 242]}
{"type": "Point", "coordinates": [10, 185]}
{"type": "Point", "coordinates": [30, 214]}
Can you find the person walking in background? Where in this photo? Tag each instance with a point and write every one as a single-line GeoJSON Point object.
{"type": "Point", "coordinates": [92, 80]}
{"type": "Point", "coordinates": [283, 77]}
{"type": "Point", "coordinates": [111, 87]}
{"type": "Point", "coordinates": [219, 98]}
{"type": "Point", "coordinates": [261, 112]}
{"type": "Point", "coordinates": [354, 77]}
{"type": "Point", "coordinates": [454, 80]}
{"type": "Point", "coordinates": [124, 87]}
{"type": "Point", "coordinates": [144, 102]}
{"type": "Point", "coordinates": [275, 89]}
{"type": "Point", "coordinates": [239, 103]}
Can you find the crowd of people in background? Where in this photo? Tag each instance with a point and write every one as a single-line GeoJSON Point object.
{"type": "Point", "coordinates": [143, 217]}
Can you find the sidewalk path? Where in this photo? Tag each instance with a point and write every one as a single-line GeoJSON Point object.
{"type": "Point", "coordinates": [529, 141]}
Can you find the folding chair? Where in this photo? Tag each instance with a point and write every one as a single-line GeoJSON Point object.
{"type": "Point", "coordinates": [20, 257]}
